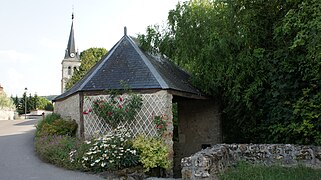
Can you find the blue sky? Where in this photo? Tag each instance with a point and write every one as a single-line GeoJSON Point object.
{"type": "Point", "coordinates": [34, 34]}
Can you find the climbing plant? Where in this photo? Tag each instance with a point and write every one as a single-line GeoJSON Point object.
{"type": "Point", "coordinates": [118, 108]}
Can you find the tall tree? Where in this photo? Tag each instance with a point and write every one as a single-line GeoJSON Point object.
{"type": "Point", "coordinates": [16, 101]}
{"type": "Point", "coordinates": [261, 59]}
{"type": "Point", "coordinates": [30, 103]}
{"type": "Point", "coordinates": [89, 58]}
{"type": "Point", "coordinates": [43, 103]}
{"type": "Point", "coordinates": [36, 101]}
{"type": "Point", "coordinates": [23, 103]}
{"type": "Point", "coordinates": [5, 101]}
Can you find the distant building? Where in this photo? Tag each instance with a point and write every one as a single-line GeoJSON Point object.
{"type": "Point", "coordinates": [71, 61]}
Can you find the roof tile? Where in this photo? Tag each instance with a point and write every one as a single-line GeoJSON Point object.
{"type": "Point", "coordinates": [139, 70]}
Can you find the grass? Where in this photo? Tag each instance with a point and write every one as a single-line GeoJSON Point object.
{"type": "Point", "coordinates": [260, 172]}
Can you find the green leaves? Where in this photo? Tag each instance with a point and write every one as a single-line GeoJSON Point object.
{"type": "Point", "coordinates": [89, 58]}
{"type": "Point", "coordinates": [6, 102]}
{"type": "Point", "coordinates": [256, 57]}
{"type": "Point", "coordinates": [111, 151]}
{"type": "Point", "coordinates": [117, 108]}
{"type": "Point", "coordinates": [153, 152]}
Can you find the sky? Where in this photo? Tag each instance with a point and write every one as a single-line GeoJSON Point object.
{"type": "Point", "coordinates": [34, 35]}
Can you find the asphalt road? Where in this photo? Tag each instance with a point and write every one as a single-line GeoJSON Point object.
{"type": "Point", "coordinates": [18, 160]}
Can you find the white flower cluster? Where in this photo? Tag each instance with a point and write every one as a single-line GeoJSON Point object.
{"type": "Point", "coordinates": [72, 154]}
{"type": "Point", "coordinates": [113, 150]}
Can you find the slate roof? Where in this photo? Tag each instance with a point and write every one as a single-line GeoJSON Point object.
{"type": "Point", "coordinates": [127, 62]}
{"type": "Point", "coordinates": [71, 42]}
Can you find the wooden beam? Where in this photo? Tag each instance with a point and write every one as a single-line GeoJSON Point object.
{"type": "Point", "coordinates": [81, 110]}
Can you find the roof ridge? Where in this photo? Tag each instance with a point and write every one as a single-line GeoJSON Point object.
{"type": "Point", "coordinates": [149, 65]}
{"type": "Point", "coordinates": [101, 64]}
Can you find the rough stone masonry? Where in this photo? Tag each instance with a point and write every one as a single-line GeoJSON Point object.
{"type": "Point", "coordinates": [209, 163]}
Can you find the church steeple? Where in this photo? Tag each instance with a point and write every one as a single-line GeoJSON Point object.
{"type": "Point", "coordinates": [71, 62]}
{"type": "Point", "coordinates": [71, 49]}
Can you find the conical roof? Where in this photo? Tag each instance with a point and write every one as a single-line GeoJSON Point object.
{"type": "Point", "coordinates": [71, 42]}
{"type": "Point", "coordinates": [139, 70]}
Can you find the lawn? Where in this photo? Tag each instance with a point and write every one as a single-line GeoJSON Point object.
{"type": "Point", "coordinates": [260, 172]}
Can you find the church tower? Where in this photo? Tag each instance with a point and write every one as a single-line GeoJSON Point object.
{"type": "Point", "coordinates": [71, 62]}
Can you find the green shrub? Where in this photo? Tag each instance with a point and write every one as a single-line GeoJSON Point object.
{"type": "Point", "coordinates": [153, 152]}
{"type": "Point", "coordinates": [60, 127]}
{"type": "Point", "coordinates": [56, 150]}
{"type": "Point", "coordinates": [50, 118]}
{"type": "Point", "coordinates": [54, 125]}
{"type": "Point", "coordinates": [47, 120]}
{"type": "Point", "coordinates": [112, 151]}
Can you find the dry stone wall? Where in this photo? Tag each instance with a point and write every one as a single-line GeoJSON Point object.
{"type": "Point", "coordinates": [6, 114]}
{"type": "Point", "coordinates": [209, 163]}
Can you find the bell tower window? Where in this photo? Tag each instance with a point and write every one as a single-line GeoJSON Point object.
{"type": "Point", "coordinates": [69, 70]}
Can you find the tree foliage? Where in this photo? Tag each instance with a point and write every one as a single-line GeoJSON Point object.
{"type": "Point", "coordinates": [261, 59]}
{"type": "Point", "coordinates": [6, 102]}
{"type": "Point", "coordinates": [32, 103]}
{"type": "Point", "coordinates": [89, 58]}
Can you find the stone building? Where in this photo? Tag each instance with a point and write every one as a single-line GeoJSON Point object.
{"type": "Point", "coordinates": [71, 60]}
{"type": "Point", "coordinates": [161, 84]}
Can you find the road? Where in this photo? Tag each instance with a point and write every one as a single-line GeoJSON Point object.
{"type": "Point", "coordinates": [18, 160]}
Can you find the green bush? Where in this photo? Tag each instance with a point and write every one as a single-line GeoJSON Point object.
{"type": "Point", "coordinates": [57, 150]}
{"type": "Point", "coordinates": [54, 125]}
{"type": "Point", "coordinates": [55, 142]}
{"type": "Point", "coordinates": [48, 119]}
{"type": "Point", "coordinates": [112, 151]}
{"type": "Point", "coordinates": [60, 127]}
{"type": "Point", "coordinates": [153, 152]}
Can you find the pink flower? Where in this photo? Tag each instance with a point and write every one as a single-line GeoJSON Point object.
{"type": "Point", "coordinates": [120, 107]}
{"type": "Point", "coordinates": [85, 112]}
{"type": "Point", "coordinates": [120, 99]}
{"type": "Point", "coordinates": [90, 110]}
{"type": "Point", "coordinates": [109, 113]}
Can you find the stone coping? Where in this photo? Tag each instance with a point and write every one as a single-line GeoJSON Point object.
{"type": "Point", "coordinates": [210, 162]}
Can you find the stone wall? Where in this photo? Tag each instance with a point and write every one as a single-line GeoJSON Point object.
{"type": "Point", "coordinates": [199, 127]}
{"type": "Point", "coordinates": [69, 109]}
{"type": "Point", "coordinates": [6, 114]}
{"type": "Point", "coordinates": [209, 163]}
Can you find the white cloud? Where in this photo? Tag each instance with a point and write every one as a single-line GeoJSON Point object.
{"type": "Point", "coordinates": [13, 56]}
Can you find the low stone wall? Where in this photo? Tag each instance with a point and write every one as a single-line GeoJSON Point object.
{"type": "Point", "coordinates": [6, 114]}
{"type": "Point", "coordinates": [209, 163]}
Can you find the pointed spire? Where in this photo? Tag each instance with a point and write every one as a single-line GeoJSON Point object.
{"type": "Point", "coordinates": [125, 31]}
{"type": "Point", "coordinates": [71, 50]}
